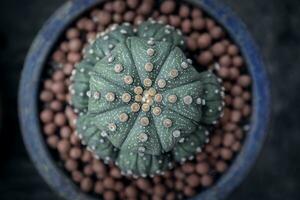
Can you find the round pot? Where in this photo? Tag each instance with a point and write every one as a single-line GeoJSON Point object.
{"type": "Point", "coordinates": [30, 82]}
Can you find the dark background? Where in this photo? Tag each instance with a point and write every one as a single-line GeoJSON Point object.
{"type": "Point", "coordinates": [275, 24]}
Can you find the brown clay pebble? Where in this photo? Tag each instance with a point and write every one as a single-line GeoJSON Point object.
{"type": "Point", "coordinates": [109, 195]}
{"type": "Point", "coordinates": [131, 192]}
{"type": "Point", "coordinates": [77, 176]}
{"type": "Point", "coordinates": [210, 24]}
{"type": "Point", "coordinates": [169, 183]}
{"type": "Point", "coordinates": [129, 16]}
{"type": "Point", "coordinates": [68, 69]}
{"type": "Point", "coordinates": [86, 156]}
{"type": "Point", "coordinates": [238, 103]}
{"type": "Point", "coordinates": [115, 173]}
{"type": "Point", "coordinates": [238, 61]}
{"type": "Point", "coordinates": [205, 58]}
{"type": "Point", "coordinates": [108, 6]}
{"type": "Point", "coordinates": [61, 97]}
{"type": "Point", "coordinates": [191, 44]}
{"type": "Point", "coordinates": [119, 6]}
{"type": "Point", "coordinates": [72, 33]}
{"type": "Point", "coordinates": [235, 116]}
{"type": "Point", "coordinates": [234, 73]}
{"type": "Point", "coordinates": [228, 99]}
{"type": "Point", "coordinates": [64, 46]}
{"type": "Point", "coordinates": [71, 165]}
{"type": "Point", "coordinates": [99, 188]}
{"type": "Point", "coordinates": [119, 186]}
{"type": "Point", "coordinates": [168, 174]}
{"type": "Point", "coordinates": [60, 119]}
{"type": "Point", "coordinates": [218, 49]}
{"type": "Point", "coordinates": [159, 190]}
{"type": "Point", "coordinates": [179, 185]}
{"type": "Point", "coordinates": [202, 168]}
{"type": "Point", "coordinates": [138, 19]}
{"type": "Point", "coordinates": [233, 50]}
{"type": "Point", "coordinates": [244, 80]}
{"type": "Point", "coordinates": [65, 132]}
{"type": "Point", "coordinates": [80, 23]}
{"type": "Point", "coordinates": [99, 168]}
{"type": "Point", "coordinates": [86, 184]}
{"type": "Point", "coordinates": [46, 96]}
{"type": "Point", "coordinates": [216, 140]}
{"type": "Point", "coordinates": [236, 146]}
{"type": "Point", "coordinates": [87, 170]}
{"type": "Point", "coordinates": [201, 157]}
{"type": "Point", "coordinates": [246, 111]}
{"type": "Point", "coordinates": [193, 180]}
{"type": "Point", "coordinates": [75, 44]}
{"type": "Point", "coordinates": [168, 6]}
{"type": "Point", "coordinates": [198, 24]}
{"type": "Point", "coordinates": [143, 184]}
{"type": "Point", "coordinates": [216, 33]}
{"type": "Point", "coordinates": [171, 196]}
{"type": "Point", "coordinates": [196, 13]}
{"type": "Point", "coordinates": [226, 153]}
{"type": "Point", "coordinates": [63, 146]}
{"type": "Point", "coordinates": [75, 153]}
{"type": "Point", "coordinates": [188, 168]}
{"type": "Point", "coordinates": [46, 116]}
{"type": "Point", "coordinates": [204, 41]}
{"type": "Point", "coordinates": [195, 35]}
{"type": "Point", "coordinates": [184, 11]}
{"type": "Point", "coordinates": [228, 139]}
{"type": "Point", "coordinates": [186, 26]}
{"type": "Point", "coordinates": [223, 72]}
{"type": "Point", "coordinates": [58, 87]}
{"type": "Point", "coordinates": [189, 191]}
{"type": "Point", "coordinates": [49, 129]}
{"type": "Point", "coordinates": [236, 90]}
{"type": "Point", "coordinates": [246, 96]}
{"type": "Point", "coordinates": [215, 153]}
{"type": "Point", "coordinates": [103, 18]}
{"type": "Point", "coordinates": [89, 25]}
{"type": "Point", "coordinates": [117, 18]}
{"type": "Point", "coordinates": [56, 105]}
{"type": "Point", "coordinates": [239, 133]}
{"type": "Point", "coordinates": [225, 61]}
{"type": "Point", "coordinates": [48, 84]}
{"type": "Point", "coordinates": [174, 21]}
{"type": "Point", "coordinates": [145, 9]}
{"type": "Point", "coordinates": [132, 3]}
{"type": "Point", "coordinates": [206, 180]}
{"type": "Point", "coordinates": [91, 36]}
{"type": "Point", "coordinates": [179, 174]}
{"type": "Point", "coordinates": [52, 141]}
{"type": "Point", "coordinates": [109, 183]}
{"type": "Point", "coordinates": [58, 56]}
{"type": "Point", "coordinates": [74, 139]}
{"type": "Point", "coordinates": [221, 166]}
{"type": "Point", "coordinates": [73, 57]}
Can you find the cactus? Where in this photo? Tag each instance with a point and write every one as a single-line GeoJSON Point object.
{"type": "Point", "coordinates": [141, 103]}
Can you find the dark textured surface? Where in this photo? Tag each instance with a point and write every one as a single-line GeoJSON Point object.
{"type": "Point", "coordinates": [274, 24]}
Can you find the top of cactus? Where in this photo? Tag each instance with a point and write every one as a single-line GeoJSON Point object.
{"type": "Point", "coordinates": [141, 102]}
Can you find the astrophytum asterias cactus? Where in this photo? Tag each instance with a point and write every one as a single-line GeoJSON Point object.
{"type": "Point", "coordinates": [141, 102]}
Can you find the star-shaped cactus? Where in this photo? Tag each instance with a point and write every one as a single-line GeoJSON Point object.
{"type": "Point", "coordinates": [142, 104]}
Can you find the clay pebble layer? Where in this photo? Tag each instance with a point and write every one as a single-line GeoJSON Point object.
{"type": "Point", "coordinates": [209, 47]}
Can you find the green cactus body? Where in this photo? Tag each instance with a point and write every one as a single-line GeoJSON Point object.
{"type": "Point", "coordinates": [141, 102]}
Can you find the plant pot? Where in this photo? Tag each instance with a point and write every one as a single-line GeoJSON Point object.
{"type": "Point", "coordinates": [30, 83]}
